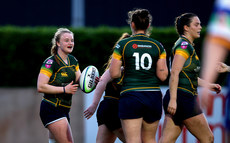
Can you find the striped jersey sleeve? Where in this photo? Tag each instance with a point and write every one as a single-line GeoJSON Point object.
{"type": "Point", "coordinates": [117, 53]}
{"type": "Point", "coordinates": [46, 68]}
{"type": "Point", "coordinates": [183, 50]}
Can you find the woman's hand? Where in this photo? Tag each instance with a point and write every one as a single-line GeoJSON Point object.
{"type": "Point", "coordinates": [172, 106]}
{"type": "Point", "coordinates": [88, 113]}
{"type": "Point", "coordinates": [222, 67]}
{"type": "Point", "coordinates": [215, 87]}
{"type": "Point", "coordinates": [71, 88]}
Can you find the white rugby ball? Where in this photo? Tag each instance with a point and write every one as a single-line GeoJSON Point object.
{"type": "Point", "coordinates": [87, 79]}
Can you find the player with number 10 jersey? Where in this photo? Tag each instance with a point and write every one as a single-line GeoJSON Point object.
{"type": "Point", "coordinates": [139, 55]}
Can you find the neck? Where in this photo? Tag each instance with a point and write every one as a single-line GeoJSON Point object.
{"type": "Point", "coordinates": [189, 38]}
{"type": "Point", "coordinates": [139, 32]}
{"type": "Point", "coordinates": [62, 54]}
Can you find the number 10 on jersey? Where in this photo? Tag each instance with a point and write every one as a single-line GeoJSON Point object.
{"type": "Point", "coordinates": [140, 61]}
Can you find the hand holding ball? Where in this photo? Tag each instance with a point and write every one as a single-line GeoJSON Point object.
{"type": "Point", "coordinates": [87, 79]}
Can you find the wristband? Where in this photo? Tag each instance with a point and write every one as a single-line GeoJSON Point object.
{"type": "Point", "coordinates": [64, 89]}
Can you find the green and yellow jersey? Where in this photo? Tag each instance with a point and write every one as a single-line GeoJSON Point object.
{"type": "Point", "coordinates": [139, 55]}
{"type": "Point", "coordinates": [188, 77]}
{"type": "Point", "coordinates": [60, 74]}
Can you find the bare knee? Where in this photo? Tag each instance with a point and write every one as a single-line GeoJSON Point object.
{"type": "Point", "coordinates": [211, 138]}
{"type": "Point", "coordinates": [208, 139]}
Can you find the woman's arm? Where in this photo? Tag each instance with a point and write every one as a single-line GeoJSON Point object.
{"type": "Point", "coordinates": [211, 86]}
{"type": "Point", "coordinates": [177, 65]}
{"type": "Point", "coordinates": [222, 67]}
{"type": "Point", "coordinates": [100, 88]}
{"type": "Point", "coordinates": [78, 74]}
{"type": "Point", "coordinates": [115, 68]}
{"type": "Point", "coordinates": [44, 87]}
{"type": "Point", "coordinates": [162, 69]}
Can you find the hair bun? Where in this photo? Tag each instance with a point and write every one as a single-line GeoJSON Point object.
{"type": "Point", "coordinates": [144, 13]}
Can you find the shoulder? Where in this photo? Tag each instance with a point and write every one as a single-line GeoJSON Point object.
{"type": "Point", "coordinates": [124, 41]}
{"type": "Point", "coordinates": [49, 60]}
{"type": "Point", "coordinates": [183, 44]}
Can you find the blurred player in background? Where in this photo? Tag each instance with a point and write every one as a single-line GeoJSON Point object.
{"type": "Point", "coordinates": [216, 48]}
{"type": "Point", "coordinates": [180, 102]}
{"type": "Point", "coordinates": [144, 61]}
{"type": "Point", "coordinates": [56, 80]}
{"type": "Point", "coordinates": [109, 124]}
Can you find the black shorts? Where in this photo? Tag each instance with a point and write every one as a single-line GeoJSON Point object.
{"type": "Point", "coordinates": [50, 114]}
{"type": "Point", "coordinates": [187, 106]}
{"type": "Point", "coordinates": [138, 104]}
{"type": "Point", "coordinates": [107, 114]}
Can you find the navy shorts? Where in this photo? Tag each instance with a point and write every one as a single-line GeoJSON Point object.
{"type": "Point", "coordinates": [107, 114]}
{"type": "Point", "coordinates": [187, 106]}
{"type": "Point", "coordinates": [141, 104]}
{"type": "Point", "coordinates": [50, 114]}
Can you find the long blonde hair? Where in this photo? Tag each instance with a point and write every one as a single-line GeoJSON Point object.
{"type": "Point", "coordinates": [56, 39]}
{"type": "Point", "coordinates": [123, 36]}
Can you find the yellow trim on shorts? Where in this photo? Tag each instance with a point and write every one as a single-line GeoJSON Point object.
{"type": "Point", "coordinates": [58, 103]}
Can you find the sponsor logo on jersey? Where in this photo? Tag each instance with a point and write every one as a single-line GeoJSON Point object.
{"type": "Point", "coordinates": [117, 46]}
{"type": "Point", "coordinates": [197, 69]}
{"type": "Point", "coordinates": [184, 45]}
{"type": "Point", "coordinates": [135, 46]}
{"type": "Point", "coordinates": [64, 74]}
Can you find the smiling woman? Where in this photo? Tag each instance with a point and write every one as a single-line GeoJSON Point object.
{"type": "Point", "coordinates": [57, 80]}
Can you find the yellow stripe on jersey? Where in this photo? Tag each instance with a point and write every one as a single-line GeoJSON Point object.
{"type": "Point", "coordinates": [46, 72]}
{"type": "Point", "coordinates": [117, 56]}
{"type": "Point", "coordinates": [77, 67]}
{"type": "Point", "coordinates": [163, 55]}
{"type": "Point", "coordinates": [182, 53]}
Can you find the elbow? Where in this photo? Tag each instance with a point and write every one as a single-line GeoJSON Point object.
{"type": "Point", "coordinates": [114, 74]}
{"type": "Point", "coordinates": [39, 89]}
{"type": "Point", "coordinates": [163, 77]}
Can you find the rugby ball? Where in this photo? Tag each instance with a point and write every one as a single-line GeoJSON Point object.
{"type": "Point", "coordinates": [87, 79]}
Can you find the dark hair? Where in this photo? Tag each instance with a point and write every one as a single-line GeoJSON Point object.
{"type": "Point", "coordinates": [141, 17]}
{"type": "Point", "coordinates": [182, 20]}
{"type": "Point", "coordinates": [56, 39]}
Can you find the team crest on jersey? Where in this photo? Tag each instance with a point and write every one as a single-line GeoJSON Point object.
{"type": "Point", "coordinates": [184, 45]}
{"type": "Point", "coordinates": [49, 63]}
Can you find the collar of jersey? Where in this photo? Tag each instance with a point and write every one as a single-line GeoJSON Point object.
{"type": "Point", "coordinates": [139, 34]}
{"type": "Point", "coordinates": [182, 37]}
{"type": "Point", "coordinates": [60, 59]}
